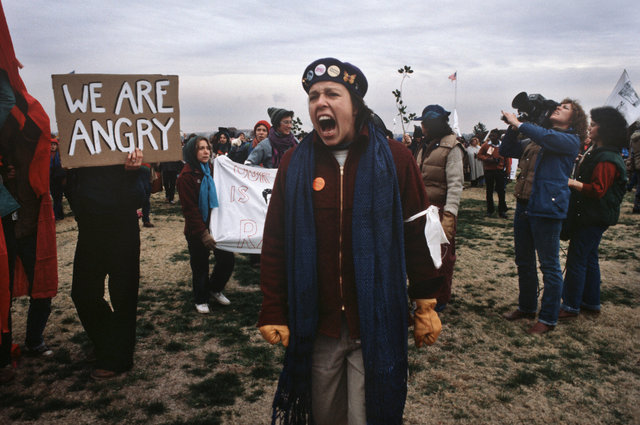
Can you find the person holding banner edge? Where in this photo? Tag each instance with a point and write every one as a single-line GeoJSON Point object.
{"type": "Point", "coordinates": [197, 197]}
{"type": "Point", "coordinates": [270, 150]}
{"type": "Point", "coordinates": [336, 242]}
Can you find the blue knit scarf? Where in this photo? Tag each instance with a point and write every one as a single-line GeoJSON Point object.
{"type": "Point", "coordinates": [208, 197]}
{"type": "Point", "coordinates": [378, 247]}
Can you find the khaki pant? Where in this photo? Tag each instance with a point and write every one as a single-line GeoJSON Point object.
{"type": "Point", "coordinates": [337, 392]}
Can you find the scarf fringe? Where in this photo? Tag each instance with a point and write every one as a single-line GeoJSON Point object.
{"type": "Point", "coordinates": [291, 412]}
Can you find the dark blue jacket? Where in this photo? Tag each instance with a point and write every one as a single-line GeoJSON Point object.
{"type": "Point", "coordinates": [550, 192]}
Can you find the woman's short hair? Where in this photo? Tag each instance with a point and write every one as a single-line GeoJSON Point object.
{"type": "Point", "coordinates": [612, 126]}
{"type": "Point", "coordinates": [578, 118]}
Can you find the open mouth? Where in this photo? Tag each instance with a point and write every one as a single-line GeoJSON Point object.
{"type": "Point", "coordinates": [326, 123]}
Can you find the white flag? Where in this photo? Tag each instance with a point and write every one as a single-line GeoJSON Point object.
{"type": "Point", "coordinates": [243, 197]}
{"type": "Point", "coordinates": [625, 99]}
{"type": "Point", "coordinates": [433, 233]}
{"type": "Point", "coordinates": [456, 126]}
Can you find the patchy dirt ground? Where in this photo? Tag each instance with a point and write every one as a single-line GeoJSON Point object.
{"type": "Point", "coordinates": [215, 369]}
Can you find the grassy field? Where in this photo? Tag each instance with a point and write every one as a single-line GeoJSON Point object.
{"type": "Point", "coordinates": [193, 369]}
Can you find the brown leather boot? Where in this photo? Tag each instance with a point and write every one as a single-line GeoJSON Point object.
{"type": "Point", "coordinates": [566, 315]}
{"type": "Point", "coordinates": [539, 328]}
{"type": "Point", "coordinates": [517, 315]}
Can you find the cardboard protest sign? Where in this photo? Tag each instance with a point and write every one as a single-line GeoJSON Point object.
{"type": "Point", "coordinates": [103, 117]}
{"type": "Point", "coordinates": [243, 198]}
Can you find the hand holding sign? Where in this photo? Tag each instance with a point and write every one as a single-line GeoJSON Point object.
{"type": "Point", "coordinates": [134, 160]}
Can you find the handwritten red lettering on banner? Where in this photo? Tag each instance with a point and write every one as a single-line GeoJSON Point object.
{"type": "Point", "coordinates": [239, 194]}
{"type": "Point", "coordinates": [254, 176]}
{"type": "Point", "coordinates": [248, 229]}
{"type": "Point", "coordinates": [243, 195]}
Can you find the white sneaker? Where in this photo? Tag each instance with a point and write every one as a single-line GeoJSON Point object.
{"type": "Point", "coordinates": [202, 308]}
{"type": "Point", "coordinates": [219, 296]}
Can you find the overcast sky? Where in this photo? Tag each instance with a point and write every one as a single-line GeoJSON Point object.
{"type": "Point", "coordinates": [236, 59]}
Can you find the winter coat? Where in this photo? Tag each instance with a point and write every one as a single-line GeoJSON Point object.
{"type": "Point", "coordinates": [550, 191]}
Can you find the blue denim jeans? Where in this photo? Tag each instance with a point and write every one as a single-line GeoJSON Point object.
{"type": "Point", "coordinates": [582, 281]}
{"type": "Point", "coordinates": [539, 235]}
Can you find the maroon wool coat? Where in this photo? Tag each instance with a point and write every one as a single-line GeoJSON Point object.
{"type": "Point", "coordinates": [188, 185]}
{"type": "Point", "coordinates": [337, 293]}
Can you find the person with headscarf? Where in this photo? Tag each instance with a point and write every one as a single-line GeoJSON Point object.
{"type": "Point", "coordinates": [198, 196]}
{"type": "Point", "coordinates": [339, 244]}
{"type": "Point", "coordinates": [269, 151]}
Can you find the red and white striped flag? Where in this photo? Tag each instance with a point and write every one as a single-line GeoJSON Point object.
{"type": "Point", "coordinates": [453, 76]}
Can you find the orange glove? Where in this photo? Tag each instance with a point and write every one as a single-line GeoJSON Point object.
{"type": "Point", "coordinates": [448, 224]}
{"type": "Point", "coordinates": [426, 325]}
{"type": "Point", "coordinates": [274, 334]}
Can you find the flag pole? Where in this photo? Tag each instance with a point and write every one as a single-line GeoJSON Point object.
{"type": "Point", "coordinates": [455, 96]}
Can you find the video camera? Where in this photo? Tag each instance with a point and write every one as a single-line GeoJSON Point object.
{"type": "Point", "coordinates": [534, 108]}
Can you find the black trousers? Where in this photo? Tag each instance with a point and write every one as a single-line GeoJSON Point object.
{"type": "Point", "coordinates": [169, 182]}
{"type": "Point", "coordinates": [495, 180]}
{"type": "Point", "coordinates": [203, 284]}
{"type": "Point", "coordinates": [39, 308]}
{"type": "Point", "coordinates": [108, 249]}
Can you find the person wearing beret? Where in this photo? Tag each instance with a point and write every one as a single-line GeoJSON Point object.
{"type": "Point", "coordinates": [339, 245]}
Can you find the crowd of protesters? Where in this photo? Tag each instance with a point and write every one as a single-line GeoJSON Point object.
{"type": "Point", "coordinates": [347, 210]}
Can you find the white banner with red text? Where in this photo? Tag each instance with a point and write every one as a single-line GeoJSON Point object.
{"type": "Point", "coordinates": [243, 197]}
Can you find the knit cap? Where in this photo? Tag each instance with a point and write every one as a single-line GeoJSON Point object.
{"type": "Point", "coordinates": [277, 114]}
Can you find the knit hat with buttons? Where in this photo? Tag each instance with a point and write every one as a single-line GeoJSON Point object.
{"type": "Point", "coordinates": [332, 69]}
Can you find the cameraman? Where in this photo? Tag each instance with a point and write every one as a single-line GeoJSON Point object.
{"type": "Point", "coordinates": [546, 160]}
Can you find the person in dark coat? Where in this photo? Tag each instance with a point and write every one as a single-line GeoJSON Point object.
{"type": "Point", "coordinates": [197, 197]}
{"type": "Point", "coordinates": [105, 202]}
{"type": "Point", "coordinates": [339, 244]}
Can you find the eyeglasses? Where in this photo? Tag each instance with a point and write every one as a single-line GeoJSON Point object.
{"type": "Point", "coordinates": [286, 122]}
